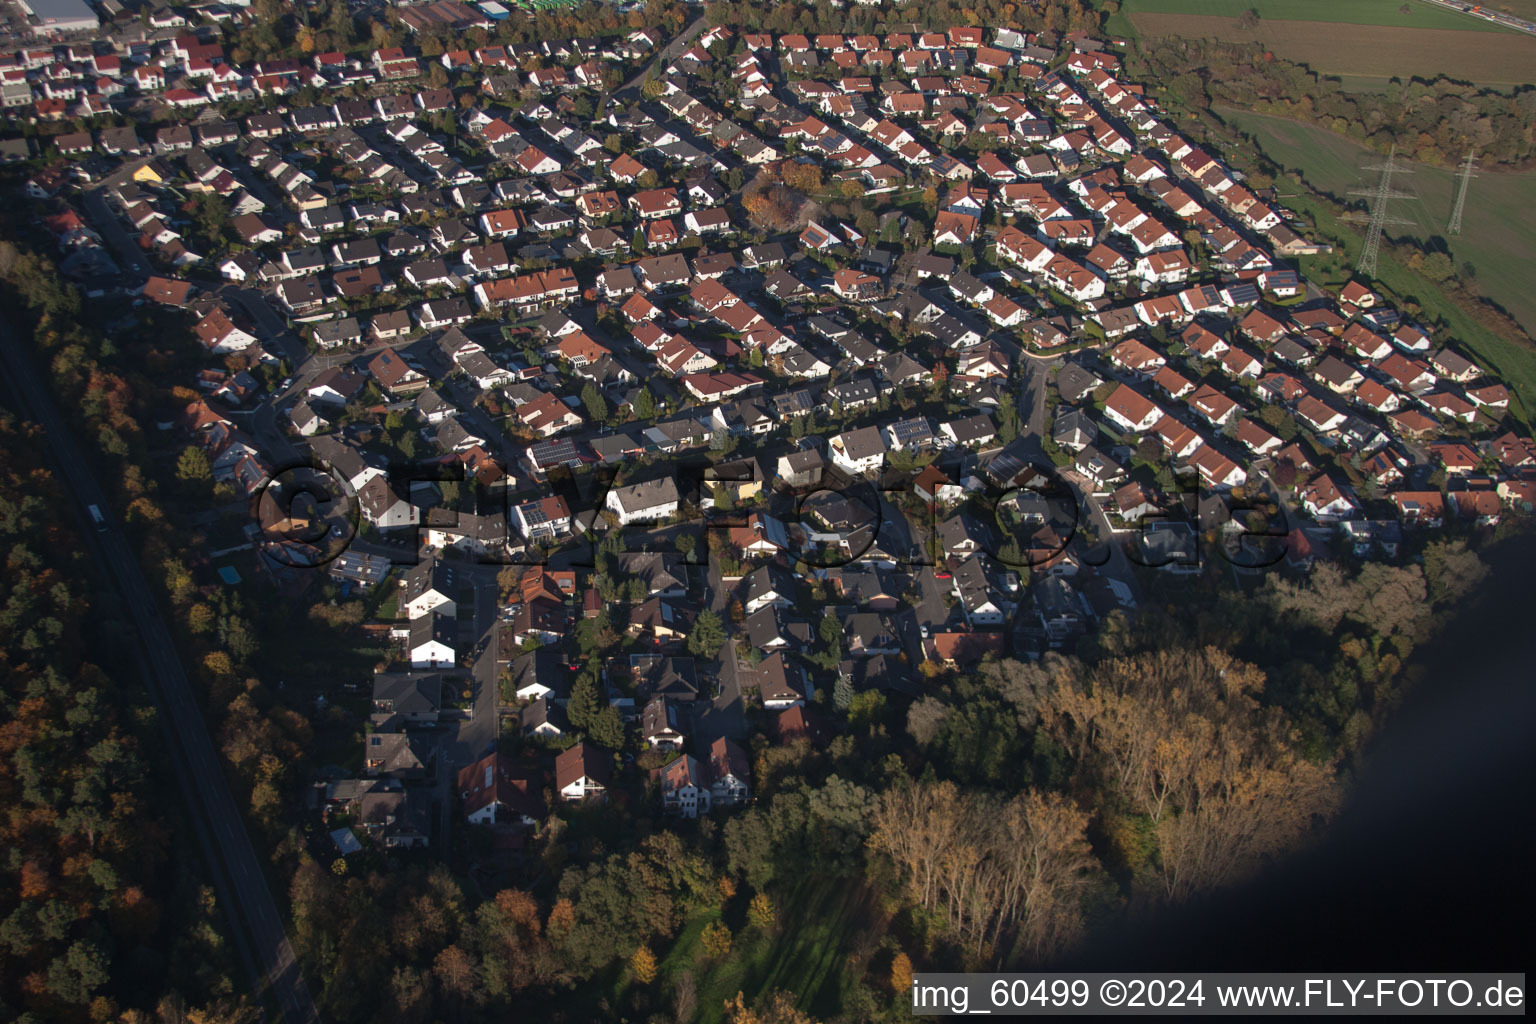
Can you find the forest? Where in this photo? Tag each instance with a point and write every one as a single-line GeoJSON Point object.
{"type": "Point", "coordinates": [1433, 122]}
{"type": "Point", "coordinates": [102, 912]}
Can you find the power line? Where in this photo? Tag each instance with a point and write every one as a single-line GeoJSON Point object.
{"type": "Point", "coordinates": [1466, 176]}
{"type": "Point", "coordinates": [1377, 201]}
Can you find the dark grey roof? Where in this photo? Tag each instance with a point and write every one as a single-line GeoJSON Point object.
{"type": "Point", "coordinates": [666, 677]}
{"type": "Point", "coordinates": [766, 627]}
{"type": "Point", "coordinates": [1073, 382]}
{"type": "Point", "coordinates": [409, 693]}
{"type": "Point", "coordinates": [659, 570]}
{"type": "Point", "coordinates": [971, 429]}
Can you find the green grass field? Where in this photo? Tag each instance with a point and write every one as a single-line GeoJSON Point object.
{"type": "Point", "coordinates": [1498, 224]}
{"type": "Point", "coordinates": [820, 920]}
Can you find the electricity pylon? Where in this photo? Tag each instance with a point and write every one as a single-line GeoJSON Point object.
{"type": "Point", "coordinates": [1466, 176]}
{"type": "Point", "coordinates": [1378, 218]}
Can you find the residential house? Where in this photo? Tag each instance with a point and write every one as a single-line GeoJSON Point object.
{"type": "Point", "coordinates": [430, 585]}
{"type": "Point", "coordinates": [647, 501]}
{"type": "Point", "coordinates": [858, 452]}
{"type": "Point", "coordinates": [432, 640]}
{"type": "Point", "coordinates": [583, 772]}
{"type": "Point", "coordinates": [496, 791]}
{"type": "Point", "coordinates": [729, 774]}
{"type": "Point", "coordinates": [684, 785]}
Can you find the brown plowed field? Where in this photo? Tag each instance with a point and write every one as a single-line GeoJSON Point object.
{"type": "Point", "coordinates": [1373, 50]}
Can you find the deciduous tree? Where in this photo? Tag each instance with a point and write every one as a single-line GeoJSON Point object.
{"type": "Point", "coordinates": [716, 940]}
{"type": "Point", "coordinates": [901, 974]}
{"type": "Point", "coordinates": [760, 911]}
{"type": "Point", "coordinates": [643, 965]}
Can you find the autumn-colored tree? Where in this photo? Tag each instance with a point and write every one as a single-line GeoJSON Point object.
{"type": "Point", "coordinates": [716, 939]}
{"type": "Point", "coordinates": [520, 908]}
{"type": "Point", "coordinates": [760, 912]}
{"type": "Point", "coordinates": [200, 618]}
{"type": "Point", "coordinates": [777, 1008]}
{"type": "Point", "coordinates": [1182, 736]}
{"type": "Point", "coordinates": [803, 176]}
{"type": "Point", "coordinates": [515, 952]}
{"type": "Point", "coordinates": [173, 1009]}
{"type": "Point", "coordinates": [774, 208]}
{"type": "Point", "coordinates": [759, 209]}
{"type": "Point", "coordinates": [643, 965]}
{"type": "Point", "coordinates": [562, 918]}
{"type": "Point", "coordinates": [455, 970]}
{"type": "Point", "coordinates": [995, 869]}
{"type": "Point", "coordinates": [901, 974]}
{"type": "Point", "coordinates": [193, 464]}
{"type": "Point", "coordinates": [1283, 473]}
{"type": "Point", "coordinates": [727, 886]}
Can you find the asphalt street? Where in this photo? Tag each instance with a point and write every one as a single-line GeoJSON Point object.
{"type": "Point", "coordinates": [668, 53]}
{"type": "Point", "coordinates": [129, 256]}
{"type": "Point", "coordinates": [1109, 558]}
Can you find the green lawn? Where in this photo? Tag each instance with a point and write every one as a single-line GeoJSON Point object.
{"type": "Point", "coordinates": [1498, 224]}
{"type": "Point", "coordinates": [1349, 12]}
{"type": "Point", "coordinates": [388, 609]}
{"type": "Point", "coordinates": [819, 923]}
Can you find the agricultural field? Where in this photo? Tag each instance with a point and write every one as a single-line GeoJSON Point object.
{"type": "Point", "coordinates": [1352, 12]}
{"type": "Point", "coordinates": [1383, 41]}
{"type": "Point", "coordinates": [1468, 55]}
{"type": "Point", "coordinates": [1498, 225]}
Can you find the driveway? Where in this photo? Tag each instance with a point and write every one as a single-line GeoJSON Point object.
{"type": "Point", "coordinates": [725, 715]}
